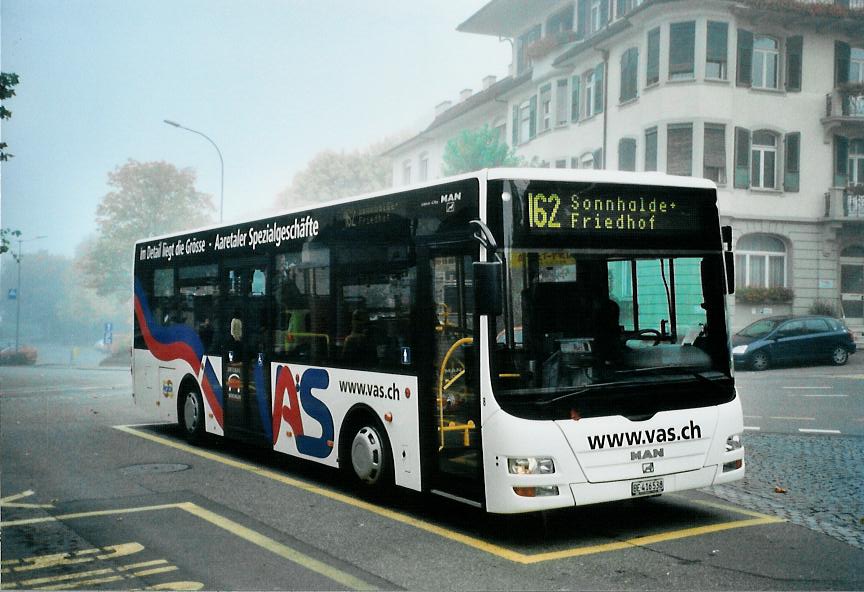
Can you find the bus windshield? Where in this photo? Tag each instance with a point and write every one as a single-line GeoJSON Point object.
{"type": "Point", "coordinates": [576, 324]}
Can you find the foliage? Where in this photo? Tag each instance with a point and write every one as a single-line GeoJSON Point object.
{"type": "Point", "coordinates": [764, 295]}
{"type": "Point", "coordinates": [148, 199]}
{"type": "Point", "coordinates": [7, 81]}
{"type": "Point", "coordinates": [477, 149]}
{"type": "Point", "coordinates": [823, 308]}
{"type": "Point", "coordinates": [331, 175]}
{"type": "Point", "coordinates": [6, 235]}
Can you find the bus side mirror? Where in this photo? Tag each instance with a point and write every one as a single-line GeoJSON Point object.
{"type": "Point", "coordinates": [487, 288]}
{"type": "Point", "coordinates": [729, 260]}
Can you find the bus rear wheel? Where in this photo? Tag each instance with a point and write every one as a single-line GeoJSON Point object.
{"type": "Point", "coordinates": [192, 415]}
{"type": "Point", "coordinates": [368, 459]}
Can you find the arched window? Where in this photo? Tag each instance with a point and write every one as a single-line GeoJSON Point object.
{"type": "Point", "coordinates": [766, 56]}
{"type": "Point", "coordinates": [760, 261]}
{"type": "Point", "coordinates": [763, 160]}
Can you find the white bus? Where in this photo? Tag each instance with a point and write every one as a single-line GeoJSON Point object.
{"type": "Point", "coordinates": [515, 339]}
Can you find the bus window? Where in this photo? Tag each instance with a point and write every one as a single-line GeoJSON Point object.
{"type": "Point", "coordinates": [301, 289]}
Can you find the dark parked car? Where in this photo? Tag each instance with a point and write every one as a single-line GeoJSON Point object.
{"type": "Point", "coordinates": [785, 340]}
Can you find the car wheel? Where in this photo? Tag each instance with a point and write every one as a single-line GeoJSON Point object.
{"type": "Point", "coordinates": [192, 416]}
{"type": "Point", "coordinates": [760, 361]}
{"type": "Point", "coordinates": [839, 356]}
{"type": "Point", "coordinates": [368, 455]}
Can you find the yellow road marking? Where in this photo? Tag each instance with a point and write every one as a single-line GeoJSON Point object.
{"type": "Point", "coordinates": [45, 561]}
{"type": "Point", "coordinates": [233, 528]}
{"type": "Point", "coordinates": [470, 541]}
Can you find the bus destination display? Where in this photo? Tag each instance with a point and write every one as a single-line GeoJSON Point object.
{"type": "Point", "coordinates": [610, 213]}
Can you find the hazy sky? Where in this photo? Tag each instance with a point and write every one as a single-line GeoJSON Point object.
{"type": "Point", "coordinates": [272, 82]}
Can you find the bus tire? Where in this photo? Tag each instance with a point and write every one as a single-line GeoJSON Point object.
{"type": "Point", "coordinates": [366, 450]}
{"type": "Point", "coordinates": [191, 416]}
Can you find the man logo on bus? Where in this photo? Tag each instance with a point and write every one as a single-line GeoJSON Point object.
{"type": "Point", "coordinates": [288, 409]}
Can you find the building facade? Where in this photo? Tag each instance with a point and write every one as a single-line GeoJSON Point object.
{"type": "Point", "coordinates": [764, 97]}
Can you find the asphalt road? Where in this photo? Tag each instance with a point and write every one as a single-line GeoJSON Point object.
{"type": "Point", "coordinates": [88, 503]}
{"type": "Point", "coordinates": [805, 400]}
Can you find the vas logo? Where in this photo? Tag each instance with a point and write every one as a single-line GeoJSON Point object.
{"type": "Point", "coordinates": [646, 454]}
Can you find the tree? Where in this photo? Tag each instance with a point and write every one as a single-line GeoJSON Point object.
{"type": "Point", "coordinates": [331, 175]}
{"type": "Point", "coordinates": [6, 235]}
{"type": "Point", "coordinates": [477, 149]}
{"type": "Point", "coordinates": [149, 198]}
{"type": "Point", "coordinates": [7, 81]}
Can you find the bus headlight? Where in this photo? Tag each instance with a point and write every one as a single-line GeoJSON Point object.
{"type": "Point", "coordinates": [531, 466]}
{"type": "Point", "coordinates": [733, 443]}
{"type": "Point", "coordinates": [739, 349]}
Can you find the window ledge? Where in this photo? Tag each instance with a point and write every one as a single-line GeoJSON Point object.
{"type": "Point", "coordinates": [681, 80]}
{"type": "Point", "coordinates": [652, 86]}
{"type": "Point", "coordinates": [769, 91]}
{"type": "Point", "coordinates": [766, 191]}
{"type": "Point", "coordinates": [628, 102]}
{"type": "Point", "coordinates": [717, 80]}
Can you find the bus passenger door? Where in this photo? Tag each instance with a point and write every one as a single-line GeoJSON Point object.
{"type": "Point", "coordinates": [244, 330]}
{"type": "Point", "coordinates": [452, 422]}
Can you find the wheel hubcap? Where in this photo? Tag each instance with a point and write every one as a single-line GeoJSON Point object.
{"type": "Point", "coordinates": [190, 412]}
{"type": "Point", "coordinates": [760, 362]}
{"type": "Point", "coordinates": [840, 355]}
{"type": "Point", "coordinates": [367, 455]}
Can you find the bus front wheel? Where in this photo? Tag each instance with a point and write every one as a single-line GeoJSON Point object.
{"type": "Point", "coordinates": [368, 454]}
{"type": "Point", "coordinates": [192, 416]}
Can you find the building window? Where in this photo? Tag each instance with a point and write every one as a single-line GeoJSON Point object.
{"type": "Point", "coordinates": [653, 52]}
{"type": "Point", "coordinates": [423, 172]}
{"type": "Point", "coordinates": [760, 262]}
{"type": "Point", "coordinates": [629, 72]}
{"type": "Point", "coordinates": [594, 91]}
{"type": "Point", "coordinates": [766, 57]}
{"type": "Point", "coordinates": [597, 15]}
{"type": "Point", "coordinates": [763, 160]}
{"type": "Point", "coordinates": [651, 149]}
{"type": "Point", "coordinates": [562, 103]}
{"type": "Point", "coordinates": [682, 50]}
{"type": "Point", "coordinates": [679, 149]}
{"type": "Point", "coordinates": [714, 158]}
{"type": "Point", "coordinates": [586, 161]}
{"type": "Point", "coordinates": [716, 50]}
{"type": "Point", "coordinates": [856, 64]}
{"type": "Point", "coordinates": [525, 121]}
{"type": "Point", "coordinates": [406, 172]}
{"type": "Point", "coordinates": [856, 162]}
{"type": "Point", "coordinates": [522, 44]}
{"type": "Point", "coordinates": [627, 154]}
{"type": "Point", "coordinates": [560, 22]}
{"type": "Point", "coordinates": [545, 108]}
{"type": "Point", "coordinates": [561, 163]}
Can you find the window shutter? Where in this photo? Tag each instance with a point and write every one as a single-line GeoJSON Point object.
{"type": "Point", "coordinates": [679, 149]}
{"type": "Point", "coordinates": [792, 160]}
{"type": "Point", "coordinates": [653, 65]}
{"type": "Point", "coordinates": [515, 125]}
{"type": "Point", "coordinates": [717, 39]}
{"type": "Point", "coordinates": [627, 154]}
{"type": "Point", "coordinates": [597, 155]}
{"type": "Point", "coordinates": [742, 158]}
{"type": "Point", "coordinates": [841, 161]}
{"type": "Point", "coordinates": [532, 126]}
{"type": "Point", "coordinates": [582, 19]}
{"type": "Point", "coordinates": [598, 88]}
{"type": "Point", "coordinates": [794, 58]}
{"type": "Point", "coordinates": [651, 149]}
{"type": "Point", "coordinates": [682, 48]}
{"type": "Point", "coordinates": [714, 154]}
{"type": "Point", "coordinates": [744, 76]}
{"type": "Point", "coordinates": [575, 90]}
{"type": "Point", "coordinates": [629, 69]}
{"type": "Point", "coordinates": [604, 12]}
{"type": "Point", "coordinates": [842, 57]}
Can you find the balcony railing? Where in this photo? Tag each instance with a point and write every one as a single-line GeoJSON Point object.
{"type": "Point", "coordinates": [845, 102]}
{"type": "Point", "coordinates": [846, 203]}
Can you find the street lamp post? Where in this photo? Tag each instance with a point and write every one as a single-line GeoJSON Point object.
{"type": "Point", "coordinates": [221, 162]}
{"type": "Point", "coordinates": [18, 289]}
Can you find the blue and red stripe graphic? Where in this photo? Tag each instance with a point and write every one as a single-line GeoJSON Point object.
{"type": "Point", "coordinates": [178, 342]}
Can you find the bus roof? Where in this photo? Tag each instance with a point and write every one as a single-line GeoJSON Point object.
{"type": "Point", "coordinates": [491, 174]}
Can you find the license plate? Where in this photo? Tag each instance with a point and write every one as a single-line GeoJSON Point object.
{"type": "Point", "coordinates": [646, 487]}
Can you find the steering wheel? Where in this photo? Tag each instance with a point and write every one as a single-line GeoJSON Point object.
{"type": "Point", "coordinates": [657, 335]}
